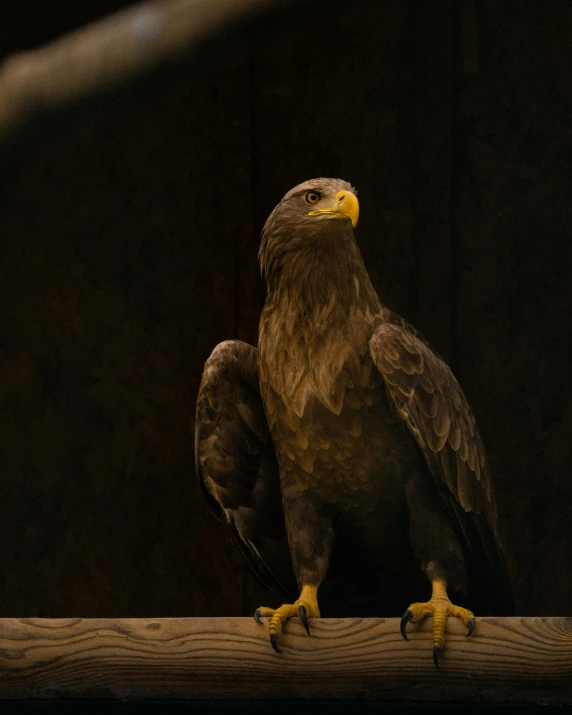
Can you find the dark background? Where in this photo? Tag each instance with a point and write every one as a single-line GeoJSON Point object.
{"type": "Point", "coordinates": [128, 241]}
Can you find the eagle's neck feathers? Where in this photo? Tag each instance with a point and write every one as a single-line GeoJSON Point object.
{"type": "Point", "coordinates": [319, 315]}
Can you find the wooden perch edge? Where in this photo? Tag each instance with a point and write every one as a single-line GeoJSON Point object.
{"type": "Point", "coordinates": [506, 660]}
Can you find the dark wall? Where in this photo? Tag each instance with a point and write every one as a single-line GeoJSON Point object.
{"type": "Point", "coordinates": [513, 295]}
{"type": "Point", "coordinates": [129, 241]}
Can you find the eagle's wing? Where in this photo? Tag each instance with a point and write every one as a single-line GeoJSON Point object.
{"type": "Point", "coordinates": [428, 398]}
{"type": "Point", "coordinates": [236, 463]}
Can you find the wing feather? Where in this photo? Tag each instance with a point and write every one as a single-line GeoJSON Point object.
{"type": "Point", "coordinates": [431, 402]}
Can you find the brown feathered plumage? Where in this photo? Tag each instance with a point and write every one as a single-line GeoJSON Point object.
{"type": "Point", "coordinates": [346, 433]}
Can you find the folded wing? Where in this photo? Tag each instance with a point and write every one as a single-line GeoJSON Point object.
{"type": "Point", "coordinates": [236, 463]}
{"type": "Point", "coordinates": [428, 398]}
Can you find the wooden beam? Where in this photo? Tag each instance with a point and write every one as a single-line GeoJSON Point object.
{"type": "Point", "coordinates": [507, 659]}
{"type": "Point", "coordinates": [112, 51]}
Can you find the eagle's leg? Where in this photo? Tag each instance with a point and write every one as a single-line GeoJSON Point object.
{"type": "Point", "coordinates": [439, 551]}
{"type": "Point", "coordinates": [439, 606]}
{"type": "Point", "coordinates": [310, 537]}
{"type": "Point", "coordinates": [305, 607]}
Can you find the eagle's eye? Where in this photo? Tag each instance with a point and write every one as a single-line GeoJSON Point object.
{"type": "Point", "coordinates": [312, 197]}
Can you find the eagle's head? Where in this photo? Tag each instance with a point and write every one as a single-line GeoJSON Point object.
{"type": "Point", "coordinates": [309, 220]}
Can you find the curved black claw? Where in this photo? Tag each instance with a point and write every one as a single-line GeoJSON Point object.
{"type": "Point", "coordinates": [407, 616]}
{"type": "Point", "coordinates": [274, 642]}
{"type": "Point", "coordinates": [471, 625]}
{"type": "Point", "coordinates": [436, 656]}
{"type": "Point", "coordinates": [257, 616]}
{"type": "Point", "coordinates": [304, 618]}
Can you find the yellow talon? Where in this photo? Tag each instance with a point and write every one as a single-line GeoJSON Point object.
{"type": "Point", "coordinates": [306, 606]}
{"type": "Point", "coordinates": [439, 606]}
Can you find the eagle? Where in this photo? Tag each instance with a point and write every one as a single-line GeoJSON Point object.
{"type": "Point", "coordinates": [341, 452]}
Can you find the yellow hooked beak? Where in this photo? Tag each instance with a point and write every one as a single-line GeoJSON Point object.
{"type": "Point", "coordinates": [346, 206]}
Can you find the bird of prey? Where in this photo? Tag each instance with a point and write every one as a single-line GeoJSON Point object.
{"type": "Point", "coordinates": [342, 453]}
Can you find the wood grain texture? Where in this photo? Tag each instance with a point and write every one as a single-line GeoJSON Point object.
{"type": "Point", "coordinates": [507, 659]}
